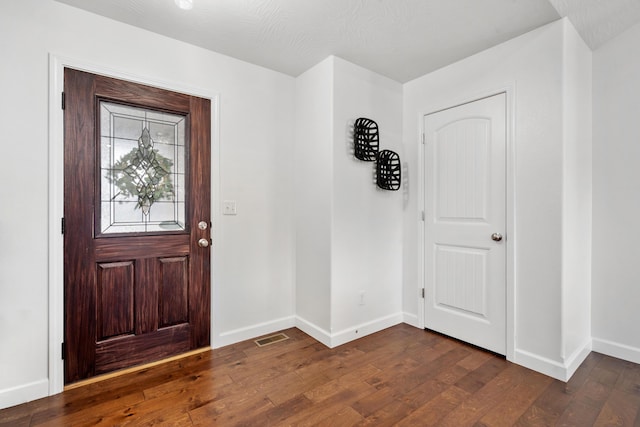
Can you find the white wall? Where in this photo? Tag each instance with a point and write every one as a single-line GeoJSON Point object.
{"type": "Point", "coordinates": [313, 186]}
{"type": "Point", "coordinates": [253, 268]}
{"type": "Point", "coordinates": [348, 232]}
{"type": "Point", "coordinates": [532, 67]}
{"type": "Point", "coordinates": [367, 221]}
{"type": "Point", "coordinates": [577, 191]}
{"type": "Point", "coordinates": [616, 197]}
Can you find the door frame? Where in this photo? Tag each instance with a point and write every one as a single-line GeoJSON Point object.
{"type": "Point", "coordinates": [510, 91]}
{"type": "Point", "coordinates": [57, 64]}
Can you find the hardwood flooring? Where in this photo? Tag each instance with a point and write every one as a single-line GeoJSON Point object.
{"type": "Point", "coordinates": [400, 376]}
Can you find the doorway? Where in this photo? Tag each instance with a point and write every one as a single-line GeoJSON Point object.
{"type": "Point", "coordinates": [137, 164]}
{"type": "Point", "coordinates": [465, 222]}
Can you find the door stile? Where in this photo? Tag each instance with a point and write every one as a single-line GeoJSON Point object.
{"type": "Point", "coordinates": [78, 215]}
{"type": "Point", "coordinates": [200, 177]}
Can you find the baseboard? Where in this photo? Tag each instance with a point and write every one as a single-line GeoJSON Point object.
{"type": "Point", "coordinates": [326, 338]}
{"type": "Point", "coordinates": [540, 364]}
{"type": "Point", "coordinates": [411, 319]}
{"type": "Point", "coordinates": [24, 393]}
{"type": "Point", "coordinates": [552, 368]}
{"type": "Point", "coordinates": [574, 361]}
{"type": "Point", "coordinates": [614, 349]}
{"type": "Point", "coordinates": [253, 331]}
{"type": "Point", "coordinates": [348, 334]}
{"type": "Point", "coordinates": [313, 331]}
{"type": "Point", "coordinates": [364, 329]}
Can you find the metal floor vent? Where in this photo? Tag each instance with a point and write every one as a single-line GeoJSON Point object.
{"type": "Point", "coordinates": [271, 339]}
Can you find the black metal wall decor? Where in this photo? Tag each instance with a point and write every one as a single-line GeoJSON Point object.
{"type": "Point", "coordinates": [365, 139]}
{"type": "Point", "coordinates": [388, 170]}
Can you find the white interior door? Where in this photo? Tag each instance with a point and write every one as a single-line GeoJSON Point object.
{"type": "Point", "coordinates": [465, 209]}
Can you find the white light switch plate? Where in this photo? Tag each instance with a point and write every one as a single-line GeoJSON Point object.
{"type": "Point", "coordinates": [229, 207]}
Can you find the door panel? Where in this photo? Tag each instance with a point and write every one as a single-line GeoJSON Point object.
{"type": "Point", "coordinates": [465, 203]}
{"type": "Point", "coordinates": [137, 180]}
{"type": "Point", "coordinates": [174, 273]}
{"type": "Point", "coordinates": [461, 279]}
{"type": "Point", "coordinates": [115, 299]}
{"type": "Point", "coordinates": [461, 150]}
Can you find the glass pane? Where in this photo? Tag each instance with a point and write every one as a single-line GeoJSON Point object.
{"type": "Point", "coordinates": [142, 164]}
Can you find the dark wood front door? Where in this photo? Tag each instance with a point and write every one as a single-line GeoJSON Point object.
{"type": "Point", "coordinates": [136, 223]}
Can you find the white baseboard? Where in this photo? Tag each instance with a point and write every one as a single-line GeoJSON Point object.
{"type": "Point", "coordinates": [348, 334]}
{"type": "Point", "coordinates": [313, 331]}
{"type": "Point", "coordinates": [540, 364]}
{"type": "Point", "coordinates": [614, 349]}
{"type": "Point", "coordinates": [558, 370]}
{"type": "Point", "coordinates": [252, 331]}
{"type": "Point", "coordinates": [574, 361]}
{"type": "Point", "coordinates": [24, 393]}
{"type": "Point", "coordinates": [364, 329]}
{"type": "Point", "coordinates": [411, 319]}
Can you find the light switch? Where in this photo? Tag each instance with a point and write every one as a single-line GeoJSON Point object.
{"type": "Point", "coordinates": [229, 207]}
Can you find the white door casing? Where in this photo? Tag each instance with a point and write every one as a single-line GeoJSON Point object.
{"type": "Point", "coordinates": [465, 204]}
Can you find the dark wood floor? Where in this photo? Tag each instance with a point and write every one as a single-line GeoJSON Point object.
{"type": "Point", "coordinates": [400, 376]}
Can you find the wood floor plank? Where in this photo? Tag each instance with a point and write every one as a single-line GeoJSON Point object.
{"type": "Point", "coordinates": [555, 399]}
{"type": "Point", "coordinates": [345, 417]}
{"type": "Point", "coordinates": [19, 421]}
{"type": "Point", "coordinates": [388, 415]}
{"type": "Point", "coordinates": [478, 378]}
{"type": "Point", "coordinates": [519, 399]}
{"type": "Point", "coordinates": [607, 371]}
{"type": "Point", "coordinates": [230, 411]}
{"type": "Point", "coordinates": [276, 415]}
{"type": "Point", "coordinates": [581, 375]}
{"type": "Point", "coordinates": [481, 401]}
{"type": "Point", "coordinates": [422, 394]}
{"type": "Point", "coordinates": [535, 416]}
{"type": "Point", "coordinates": [331, 363]}
{"type": "Point", "coordinates": [621, 409]}
{"type": "Point", "coordinates": [280, 392]}
{"type": "Point", "coordinates": [323, 410]}
{"type": "Point", "coordinates": [432, 413]}
{"type": "Point", "coordinates": [629, 380]}
{"type": "Point", "coordinates": [399, 376]}
{"type": "Point", "coordinates": [587, 404]}
{"type": "Point", "coordinates": [330, 388]}
{"type": "Point", "coordinates": [91, 414]}
{"type": "Point", "coordinates": [214, 381]}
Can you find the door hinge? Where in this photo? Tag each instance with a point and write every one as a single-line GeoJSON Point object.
{"type": "Point", "coordinates": [422, 216]}
{"type": "Point", "coordinates": [63, 101]}
{"type": "Point", "coordinates": [62, 225]}
{"type": "Point", "coordinates": [422, 292]}
{"type": "Point", "coordinates": [423, 139]}
{"type": "Point", "coordinates": [63, 350]}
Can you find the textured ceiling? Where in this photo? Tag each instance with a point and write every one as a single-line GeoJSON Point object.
{"type": "Point", "coordinates": [401, 39]}
{"type": "Point", "coordinates": [598, 21]}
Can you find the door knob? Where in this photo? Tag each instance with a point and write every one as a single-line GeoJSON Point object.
{"type": "Point", "coordinates": [496, 237]}
{"type": "Point", "coordinates": [203, 243]}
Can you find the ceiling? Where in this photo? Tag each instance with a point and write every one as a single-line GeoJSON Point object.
{"type": "Point", "coordinates": [401, 39]}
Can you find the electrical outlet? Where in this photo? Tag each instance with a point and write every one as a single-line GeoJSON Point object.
{"type": "Point", "coordinates": [361, 298]}
{"type": "Point", "coordinates": [229, 207]}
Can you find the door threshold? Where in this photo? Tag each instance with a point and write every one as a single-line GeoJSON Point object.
{"type": "Point", "coordinates": [136, 368]}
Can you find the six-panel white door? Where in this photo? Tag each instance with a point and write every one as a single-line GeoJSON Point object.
{"type": "Point", "coordinates": [465, 224]}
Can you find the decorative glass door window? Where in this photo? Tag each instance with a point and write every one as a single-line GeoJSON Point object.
{"type": "Point", "coordinates": [142, 170]}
